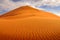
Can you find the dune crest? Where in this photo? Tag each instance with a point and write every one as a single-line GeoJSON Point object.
{"type": "Point", "coordinates": [26, 11]}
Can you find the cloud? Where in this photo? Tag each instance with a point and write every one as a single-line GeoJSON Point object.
{"type": "Point", "coordinates": [7, 5]}
{"type": "Point", "coordinates": [10, 4]}
{"type": "Point", "coordinates": [47, 2]}
{"type": "Point", "coordinates": [49, 5]}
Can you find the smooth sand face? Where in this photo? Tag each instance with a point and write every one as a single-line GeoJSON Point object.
{"type": "Point", "coordinates": [27, 11]}
{"type": "Point", "coordinates": [27, 23]}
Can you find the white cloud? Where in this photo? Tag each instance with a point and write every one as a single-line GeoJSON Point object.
{"type": "Point", "coordinates": [47, 2]}
{"type": "Point", "coordinates": [10, 5]}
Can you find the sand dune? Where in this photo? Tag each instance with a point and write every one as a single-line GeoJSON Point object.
{"type": "Point", "coordinates": [27, 11]}
{"type": "Point", "coordinates": [27, 23]}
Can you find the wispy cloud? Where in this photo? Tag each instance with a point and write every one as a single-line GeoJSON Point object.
{"type": "Point", "coordinates": [7, 5]}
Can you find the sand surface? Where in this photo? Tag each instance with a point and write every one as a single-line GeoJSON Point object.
{"type": "Point", "coordinates": [27, 23]}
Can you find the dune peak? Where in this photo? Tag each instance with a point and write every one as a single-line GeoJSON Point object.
{"type": "Point", "coordinates": [26, 11]}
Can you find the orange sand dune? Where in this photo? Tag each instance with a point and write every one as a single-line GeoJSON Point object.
{"type": "Point", "coordinates": [27, 11]}
{"type": "Point", "coordinates": [27, 23]}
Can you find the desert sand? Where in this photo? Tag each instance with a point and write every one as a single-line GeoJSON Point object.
{"type": "Point", "coordinates": [28, 23]}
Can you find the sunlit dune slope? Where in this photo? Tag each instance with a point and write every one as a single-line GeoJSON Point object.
{"type": "Point", "coordinates": [27, 11]}
{"type": "Point", "coordinates": [27, 23]}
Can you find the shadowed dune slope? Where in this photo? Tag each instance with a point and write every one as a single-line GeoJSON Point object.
{"type": "Point", "coordinates": [27, 23]}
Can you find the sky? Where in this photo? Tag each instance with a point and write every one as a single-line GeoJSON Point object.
{"type": "Point", "coordinates": [48, 5]}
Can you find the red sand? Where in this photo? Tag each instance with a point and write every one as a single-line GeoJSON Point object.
{"type": "Point", "coordinates": [27, 23]}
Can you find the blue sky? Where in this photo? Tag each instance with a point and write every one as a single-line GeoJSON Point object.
{"type": "Point", "coordinates": [55, 9]}
{"type": "Point", "coordinates": [8, 5]}
{"type": "Point", "coordinates": [16, 0]}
